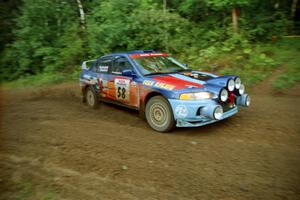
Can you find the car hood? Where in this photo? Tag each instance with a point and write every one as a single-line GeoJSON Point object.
{"type": "Point", "coordinates": [187, 82]}
{"type": "Point", "coordinates": [178, 81]}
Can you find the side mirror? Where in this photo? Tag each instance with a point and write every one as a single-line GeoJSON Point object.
{"type": "Point", "coordinates": [127, 72]}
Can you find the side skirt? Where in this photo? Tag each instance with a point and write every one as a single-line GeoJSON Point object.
{"type": "Point", "coordinates": [118, 103]}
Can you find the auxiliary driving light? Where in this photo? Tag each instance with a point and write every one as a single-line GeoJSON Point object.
{"type": "Point", "coordinates": [223, 95]}
{"type": "Point", "coordinates": [238, 83]}
{"type": "Point", "coordinates": [230, 85]}
{"type": "Point", "coordinates": [242, 89]}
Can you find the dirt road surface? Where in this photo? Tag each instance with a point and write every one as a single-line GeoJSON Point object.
{"type": "Point", "coordinates": [54, 147]}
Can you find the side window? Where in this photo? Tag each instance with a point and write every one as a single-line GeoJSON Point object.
{"type": "Point", "coordinates": [119, 65]}
{"type": "Point", "coordinates": [103, 65]}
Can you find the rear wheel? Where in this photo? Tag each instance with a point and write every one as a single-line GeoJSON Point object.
{"type": "Point", "coordinates": [159, 114]}
{"type": "Point", "coordinates": [91, 98]}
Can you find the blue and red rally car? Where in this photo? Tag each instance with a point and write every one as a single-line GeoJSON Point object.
{"type": "Point", "coordinates": [164, 90]}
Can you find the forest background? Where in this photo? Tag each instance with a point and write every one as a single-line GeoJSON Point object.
{"type": "Point", "coordinates": [45, 41]}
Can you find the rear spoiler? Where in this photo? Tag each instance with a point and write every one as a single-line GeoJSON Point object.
{"type": "Point", "coordinates": [84, 64]}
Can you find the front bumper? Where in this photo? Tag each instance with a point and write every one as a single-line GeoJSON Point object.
{"type": "Point", "coordinates": [188, 113]}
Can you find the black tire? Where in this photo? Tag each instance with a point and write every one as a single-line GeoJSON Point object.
{"type": "Point", "coordinates": [91, 98]}
{"type": "Point", "coordinates": [159, 114]}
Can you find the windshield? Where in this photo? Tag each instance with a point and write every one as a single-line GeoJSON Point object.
{"type": "Point", "coordinates": [158, 64]}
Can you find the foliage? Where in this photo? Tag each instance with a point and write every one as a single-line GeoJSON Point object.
{"type": "Point", "coordinates": [45, 36]}
{"type": "Point", "coordinates": [44, 39]}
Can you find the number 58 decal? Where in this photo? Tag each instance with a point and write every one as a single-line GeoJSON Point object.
{"type": "Point", "coordinates": [121, 93]}
{"type": "Point", "coordinates": [122, 89]}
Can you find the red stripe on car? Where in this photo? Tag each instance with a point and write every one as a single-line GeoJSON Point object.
{"type": "Point", "coordinates": [177, 82]}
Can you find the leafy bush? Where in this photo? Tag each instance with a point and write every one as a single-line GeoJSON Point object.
{"type": "Point", "coordinates": [47, 37]}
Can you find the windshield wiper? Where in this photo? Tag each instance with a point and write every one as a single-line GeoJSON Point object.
{"type": "Point", "coordinates": [183, 70]}
{"type": "Point", "coordinates": [156, 73]}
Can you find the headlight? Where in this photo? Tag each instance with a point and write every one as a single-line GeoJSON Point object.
{"type": "Point", "coordinates": [238, 83]}
{"type": "Point", "coordinates": [196, 96]}
{"type": "Point", "coordinates": [242, 89]}
{"type": "Point", "coordinates": [230, 85]}
{"type": "Point", "coordinates": [223, 95]}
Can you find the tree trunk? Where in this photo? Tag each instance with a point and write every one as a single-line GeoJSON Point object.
{"type": "Point", "coordinates": [293, 9]}
{"type": "Point", "coordinates": [81, 13]}
{"type": "Point", "coordinates": [165, 25]}
{"type": "Point", "coordinates": [234, 20]}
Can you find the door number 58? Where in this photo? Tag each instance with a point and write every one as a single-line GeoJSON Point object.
{"type": "Point", "coordinates": [121, 93]}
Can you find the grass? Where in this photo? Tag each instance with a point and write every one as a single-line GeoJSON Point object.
{"type": "Point", "coordinates": [43, 79]}
{"type": "Point", "coordinates": [288, 54]}
{"type": "Point", "coordinates": [27, 192]}
{"type": "Point", "coordinates": [257, 63]}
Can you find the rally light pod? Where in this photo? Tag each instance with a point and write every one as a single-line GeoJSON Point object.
{"type": "Point", "coordinates": [214, 112]}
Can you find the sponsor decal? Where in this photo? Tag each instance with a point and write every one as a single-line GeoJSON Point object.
{"type": "Point", "coordinates": [122, 89]}
{"type": "Point", "coordinates": [103, 68]}
{"type": "Point", "coordinates": [159, 85]}
{"type": "Point", "coordinates": [110, 84]}
{"type": "Point", "coordinates": [148, 83]}
{"type": "Point", "coordinates": [148, 55]}
{"type": "Point", "coordinates": [164, 86]}
{"type": "Point", "coordinates": [103, 83]}
{"type": "Point", "coordinates": [133, 83]}
{"type": "Point", "coordinates": [181, 111]}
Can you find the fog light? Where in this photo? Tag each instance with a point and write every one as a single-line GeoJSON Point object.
{"type": "Point", "coordinates": [248, 101]}
{"type": "Point", "coordinates": [218, 113]}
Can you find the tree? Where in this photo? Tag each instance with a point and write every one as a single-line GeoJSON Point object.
{"type": "Point", "coordinates": [220, 5]}
{"type": "Point", "coordinates": [81, 14]}
{"type": "Point", "coordinates": [39, 29]}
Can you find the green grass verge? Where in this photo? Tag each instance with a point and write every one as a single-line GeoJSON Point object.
{"type": "Point", "coordinates": [43, 79]}
{"type": "Point", "coordinates": [288, 54]}
{"type": "Point", "coordinates": [255, 63]}
{"type": "Point", "coordinates": [28, 191]}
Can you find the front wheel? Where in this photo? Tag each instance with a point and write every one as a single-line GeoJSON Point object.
{"type": "Point", "coordinates": [159, 114]}
{"type": "Point", "coordinates": [91, 98]}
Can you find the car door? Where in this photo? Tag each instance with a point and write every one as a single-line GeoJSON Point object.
{"type": "Point", "coordinates": [122, 89]}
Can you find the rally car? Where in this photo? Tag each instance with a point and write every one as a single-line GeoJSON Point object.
{"type": "Point", "coordinates": [166, 92]}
